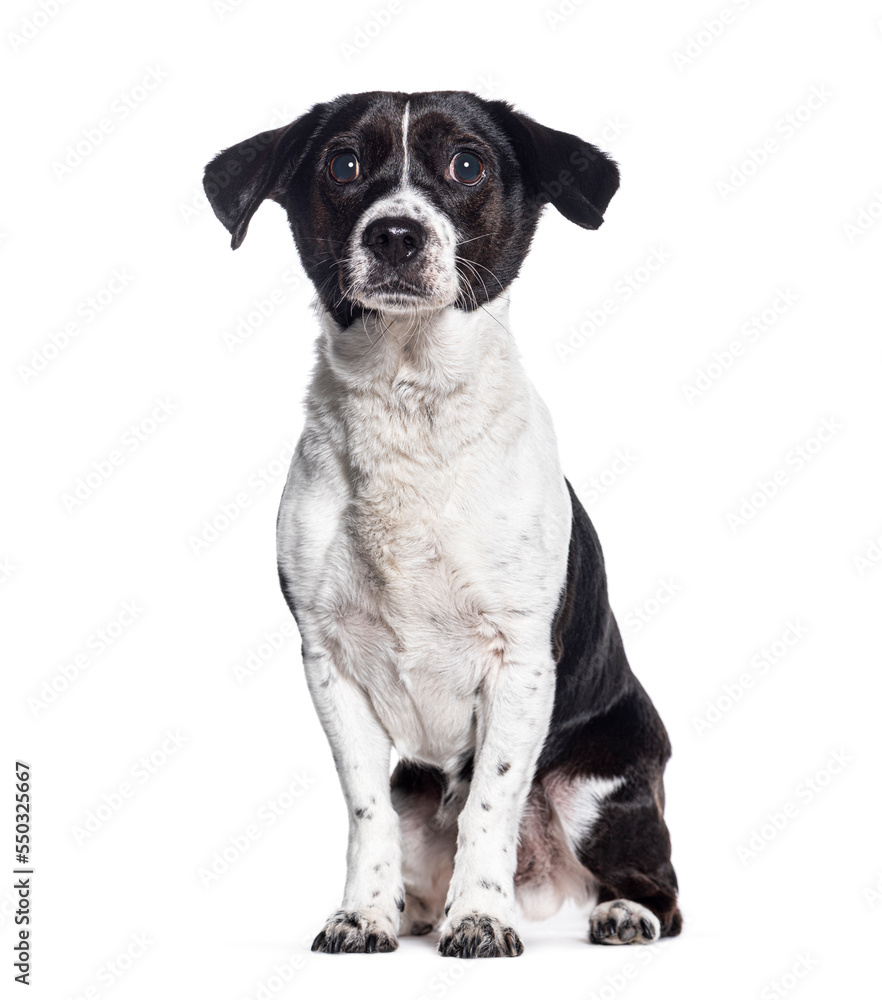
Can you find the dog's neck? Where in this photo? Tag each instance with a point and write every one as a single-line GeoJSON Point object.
{"type": "Point", "coordinates": [436, 353]}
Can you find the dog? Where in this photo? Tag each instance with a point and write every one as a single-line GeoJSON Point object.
{"type": "Point", "coordinates": [448, 586]}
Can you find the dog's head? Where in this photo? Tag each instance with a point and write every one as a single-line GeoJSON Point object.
{"type": "Point", "coordinates": [411, 202]}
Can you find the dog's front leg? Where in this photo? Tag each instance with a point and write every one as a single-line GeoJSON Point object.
{"type": "Point", "coordinates": [367, 920]}
{"type": "Point", "coordinates": [513, 716]}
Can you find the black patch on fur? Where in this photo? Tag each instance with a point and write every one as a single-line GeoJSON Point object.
{"type": "Point", "coordinates": [502, 768]}
{"type": "Point", "coordinates": [527, 165]}
{"type": "Point", "coordinates": [604, 725]}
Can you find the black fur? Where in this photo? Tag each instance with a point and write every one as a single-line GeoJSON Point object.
{"type": "Point", "coordinates": [604, 725]}
{"type": "Point", "coordinates": [528, 166]}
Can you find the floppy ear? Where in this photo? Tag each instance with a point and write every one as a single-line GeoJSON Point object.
{"type": "Point", "coordinates": [238, 179]}
{"type": "Point", "coordinates": [574, 176]}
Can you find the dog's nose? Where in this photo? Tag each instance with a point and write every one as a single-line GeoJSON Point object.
{"type": "Point", "coordinates": [395, 240]}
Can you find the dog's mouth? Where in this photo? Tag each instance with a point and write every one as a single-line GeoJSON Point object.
{"type": "Point", "coordinates": [394, 293]}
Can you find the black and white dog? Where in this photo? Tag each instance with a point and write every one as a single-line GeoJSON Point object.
{"type": "Point", "coordinates": [448, 585]}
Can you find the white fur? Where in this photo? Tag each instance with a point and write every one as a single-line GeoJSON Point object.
{"type": "Point", "coordinates": [578, 803]}
{"type": "Point", "coordinates": [424, 532]}
{"type": "Point", "coordinates": [424, 529]}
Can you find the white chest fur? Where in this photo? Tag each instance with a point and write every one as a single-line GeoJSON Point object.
{"type": "Point", "coordinates": [424, 528]}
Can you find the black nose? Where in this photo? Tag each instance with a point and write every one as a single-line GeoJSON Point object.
{"type": "Point", "coordinates": [395, 240]}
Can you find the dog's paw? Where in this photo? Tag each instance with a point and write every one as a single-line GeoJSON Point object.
{"type": "Point", "coordinates": [353, 931]}
{"type": "Point", "coordinates": [478, 936]}
{"type": "Point", "coordinates": [622, 922]}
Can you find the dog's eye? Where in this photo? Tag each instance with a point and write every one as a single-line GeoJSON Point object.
{"type": "Point", "coordinates": [466, 168]}
{"type": "Point", "coordinates": [344, 167]}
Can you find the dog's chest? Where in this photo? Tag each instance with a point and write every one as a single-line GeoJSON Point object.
{"type": "Point", "coordinates": [424, 535]}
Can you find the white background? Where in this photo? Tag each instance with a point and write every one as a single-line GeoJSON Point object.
{"type": "Point", "coordinates": [680, 106]}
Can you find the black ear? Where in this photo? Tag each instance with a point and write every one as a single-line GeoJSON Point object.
{"type": "Point", "coordinates": [238, 179]}
{"type": "Point", "coordinates": [574, 176]}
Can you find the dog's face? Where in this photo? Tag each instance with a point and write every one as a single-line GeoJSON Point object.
{"type": "Point", "coordinates": [411, 202]}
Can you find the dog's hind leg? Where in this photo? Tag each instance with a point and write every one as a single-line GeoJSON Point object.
{"type": "Point", "coordinates": [626, 850]}
{"type": "Point", "coordinates": [428, 840]}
